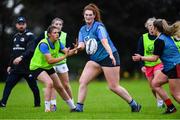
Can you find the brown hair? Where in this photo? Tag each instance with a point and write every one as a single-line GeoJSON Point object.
{"type": "Point", "coordinates": [163, 26]}
{"type": "Point", "coordinates": [95, 9]}
{"type": "Point", "coordinates": [51, 28]}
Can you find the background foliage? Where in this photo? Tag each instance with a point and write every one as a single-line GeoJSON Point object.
{"type": "Point", "coordinates": [124, 20]}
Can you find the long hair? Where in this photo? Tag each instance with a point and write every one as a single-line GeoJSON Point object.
{"type": "Point", "coordinates": [163, 26]}
{"type": "Point", "coordinates": [95, 10]}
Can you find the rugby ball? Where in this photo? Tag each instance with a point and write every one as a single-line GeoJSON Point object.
{"type": "Point", "coordinates": [91, 46]}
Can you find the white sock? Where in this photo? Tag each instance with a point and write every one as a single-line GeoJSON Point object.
{"type": "Point", "coordinates": [53, 102]}
{"type": "Point", "coordinates": [72, 100]}
{"type": "Point", "coordinates": [47, 105]}
{"type": "Point", "coordinates": [70, 104]}
{"type": "Point", "coordinates": [160, 103]}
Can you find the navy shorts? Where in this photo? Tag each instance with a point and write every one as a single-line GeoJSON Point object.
{"type": "Point", "coordinates": [107, 62]}
{"type": "Point", "coordinates": [35, 73]}
{"type": "Point", "coordinates": [173, 73]}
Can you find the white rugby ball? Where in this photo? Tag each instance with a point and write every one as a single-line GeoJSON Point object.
{"type": "Point", "coordinates": [91, 46]}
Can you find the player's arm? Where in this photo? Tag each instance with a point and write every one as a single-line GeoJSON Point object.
{"type": "Point", "coordinates": [67, 50]}
{"type": "Point", "coordinates": [80, 42]}
{"type": "Point", "coordinates": [49, 58]}
{"type": "Point", "coordinates": [150, 58]}
{"type": "Point", "coordinates": [80, 46]}
{"type": "Point", "coordinates": [102, 35]}
{"type": "Point", "coordinates": [52, 60]}
{"type": "Point", "coordinates": [158, 49]}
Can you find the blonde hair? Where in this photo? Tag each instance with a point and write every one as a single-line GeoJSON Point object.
{"type": "Point", "coordinates": [150, 20]}
{"type": "Point", "coordinates": [56, 19]}
{"type": "Point", "coordinates": [163, 26]}
{"type": "Point", "coordinates": [95, 9]}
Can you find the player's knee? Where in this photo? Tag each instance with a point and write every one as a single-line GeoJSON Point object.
{"type": "Point", "coordinates": [113, 87]}
{"type": "Point", "coordinates": [154, 85]}
{"type": "Point", "coordinates": [49, 84]}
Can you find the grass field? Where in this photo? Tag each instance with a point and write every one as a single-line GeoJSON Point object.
{"type": "Point", "coordinates": [100, 103]}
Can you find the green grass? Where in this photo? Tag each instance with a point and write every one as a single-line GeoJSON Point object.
{"type": "Point", "coordinates": [100, 103]}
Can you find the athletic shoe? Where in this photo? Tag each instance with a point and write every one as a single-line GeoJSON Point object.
{"type": "Point", "coordinates": [47, 110]}
{"type": "Point", "coordinates": [136, 109]}
{"type": "Point", "coordinates": [170, 110]}
{"type": "Point", "coordinates": [73, 110]}
{"type": "Point", "coordinates": [53, 108]}
{"type": "Point", "coordinates": [76, 110]}
{"type": "Point", "coordinates": [2, 105]}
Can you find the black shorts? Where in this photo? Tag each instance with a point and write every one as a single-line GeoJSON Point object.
{"type": "Point", "coordinates": [107, 62]}
{"type": "Point", "coordinates": [35, 73]}
{"type": "Point", "coordinates": [173, 73]}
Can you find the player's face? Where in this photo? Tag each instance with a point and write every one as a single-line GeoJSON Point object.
{"type": "Point", "coordinates": [58, 24]}
{"type": "Point", "coordinates": [150, 28]}
{"type": "Point", "coordinates": [54, 35]}
{"type": "Point", "coordinates": [21, 26]}
{"type": "Point", "coordinates": [89, 16]}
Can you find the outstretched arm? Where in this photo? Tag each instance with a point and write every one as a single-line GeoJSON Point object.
{"type": "Point", "coordinates": [108, 49]}
{"type": "Point", "coordinates": [51, 60]}
{"type": "Point", "coordinates": [138, 57]}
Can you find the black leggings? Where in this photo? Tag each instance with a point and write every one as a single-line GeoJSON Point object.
{"type": "Point", "coordinates": [12, 80]}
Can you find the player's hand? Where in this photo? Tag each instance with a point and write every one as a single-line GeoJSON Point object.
{"type": "Point", "coordinates": [75, 44]}
{"type": "Point", "coordinates": [17, 60]}
{"type": "Point", "coordinates": [67, 52]}
{"type": "Point", "coordinates": [113, 59]}
{"type": "Point", "coordinates": [143, 69]}
{"type": "Point", "coordinates": [76, 49]}
{"type": "Point", "coordinates": [136, 57]}
{"type": "Point", "coordinates": [8, 69]}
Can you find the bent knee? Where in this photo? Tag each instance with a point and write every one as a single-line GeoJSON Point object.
{"type": "Point", "coordinates": [113, 87]}
{"type": "Point", "coordinates": [154, 85]}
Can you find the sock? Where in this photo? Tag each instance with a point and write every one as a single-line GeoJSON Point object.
{"type": "Point", "coordinates": [133, 103]}
{"type": "Point", "coordinates": [160, 103]}
{"type": "Point", "coordinates": [47, 105]}
{"type": "Point", "coordinates": [169, 103]}
{"type": "Point", "coordinates": [70, 104]}
{"type": "Point", "coordinates": [72, 100]}
{"type": "Point", "coordinates": [53, 102]}
{"type": "Point", "coordinates": [79, 106]}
